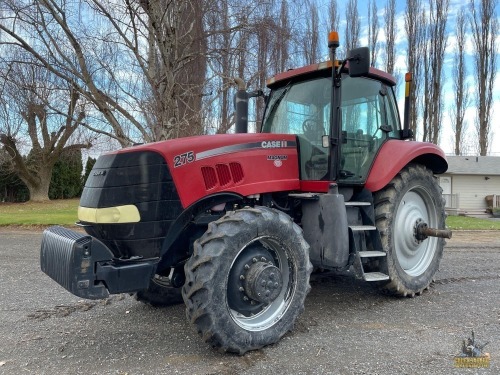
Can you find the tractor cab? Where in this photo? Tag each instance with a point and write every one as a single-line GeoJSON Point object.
{"type": "Point", "coordinates": [300, 103]}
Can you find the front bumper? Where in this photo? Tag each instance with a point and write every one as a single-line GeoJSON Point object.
{"type": "Point", "coordinates": [87, 268]}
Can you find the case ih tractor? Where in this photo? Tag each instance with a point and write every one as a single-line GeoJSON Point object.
{"type": "Point", "coordinates": [236, 223]}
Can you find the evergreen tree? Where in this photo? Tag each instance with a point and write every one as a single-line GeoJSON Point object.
{"type": "Point", "coordinates": [88, 168]}
{"type": "Point", "coordinates": [12, 189]}
{"type": "Point", "coordinates": [66, 176]}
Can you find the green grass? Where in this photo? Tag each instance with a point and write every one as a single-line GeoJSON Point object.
{"type": "Point", "coordinates": [60, 212]}
{"type": "Point", "coordinates": [64, 212]}
{"type": "Point", "coordinates": [471, 223]}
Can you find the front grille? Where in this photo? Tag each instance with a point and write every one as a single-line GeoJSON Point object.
{"type": "Point", "coordinates": [141, 178]}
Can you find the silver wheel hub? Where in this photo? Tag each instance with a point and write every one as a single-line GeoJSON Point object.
{"type": "Point", "coordinates": [414, 254]}
{"type": "Point", "coordinates": [263, 282]}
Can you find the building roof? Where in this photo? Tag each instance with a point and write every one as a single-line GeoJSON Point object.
{"type": "Point", "coordinates": [474, 165]}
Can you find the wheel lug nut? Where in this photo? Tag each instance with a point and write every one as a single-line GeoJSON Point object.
{"type": "Point", "coordinates": [268, 292]}
{"type": "Point", "coordinates": [242, 289]}
{"type": "Point", "coordinates": [242, 277]}
{"type": "Point", "coordinates": [263, 259]}
{"type": "Point", "coordinates": [263, 283]}
{"type": "Point", "coordinates": [271, 276]}
{"type": "Point", "coordinates": [252, 302]}
{"type": "Point", "coordinates": [276, 285]}
{"type": "Point", "coordinates": [247, 267]}
{"type": "Point", "coordinates": [254, 260]}
{"type": "Point", "coordinates": [245, 298]}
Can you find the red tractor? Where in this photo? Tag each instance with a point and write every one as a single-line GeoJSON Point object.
{"type": "Point", "coordinates": [234, 224]}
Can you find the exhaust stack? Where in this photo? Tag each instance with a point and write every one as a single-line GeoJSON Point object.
{"type": "Point", "coordinates": [241, 106]}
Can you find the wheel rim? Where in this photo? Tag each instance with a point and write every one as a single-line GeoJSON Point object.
{"type": "Point", "coordinates": [417, 206]}
{"type": "Point", "coordinates": [260, 316]}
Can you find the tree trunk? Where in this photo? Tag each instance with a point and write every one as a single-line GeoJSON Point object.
{"type": "Point", "coordinates": [39, 190]}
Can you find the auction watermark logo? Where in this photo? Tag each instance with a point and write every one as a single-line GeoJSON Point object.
{"type": "Point", "coordinates": [472, 355]}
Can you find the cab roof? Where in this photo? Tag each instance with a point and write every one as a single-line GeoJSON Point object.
{"type": "Point", "coordinates": [325, 66]}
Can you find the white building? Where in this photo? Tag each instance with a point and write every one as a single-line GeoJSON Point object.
{"type": "Point", "coordinates": [468, 180]}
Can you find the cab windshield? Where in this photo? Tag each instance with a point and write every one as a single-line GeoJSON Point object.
{"type": "Point", "coordinates": [368, 117]}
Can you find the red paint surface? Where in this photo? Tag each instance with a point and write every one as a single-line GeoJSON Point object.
{"type": "Point", "coordinates": [260, 174]}
{"type": "Point", "coordinates": [395, 154]}
{"type": "Point", "coordinates": [293, 73]}
{"type": "Point", "coordinates": [315, 186]}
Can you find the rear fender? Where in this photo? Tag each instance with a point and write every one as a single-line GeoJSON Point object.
{"type": "Point", "coordinates": [396, 154]}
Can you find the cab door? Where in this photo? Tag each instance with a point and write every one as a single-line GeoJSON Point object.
{"type": "Point", "coordinates": [368, 118]}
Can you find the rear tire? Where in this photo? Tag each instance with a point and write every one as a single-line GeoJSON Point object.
{"type": "Point", "coordinates": [412, 197]}
{"type": "Point", "coordinates": [247, 280]}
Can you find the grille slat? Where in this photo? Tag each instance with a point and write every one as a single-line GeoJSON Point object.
{"type": "Point", "coordinates": [236, 172]}
{"type": "Point", "coordinates": [210, 177]}
{"type": "Point", "coordinates": [222, 175]}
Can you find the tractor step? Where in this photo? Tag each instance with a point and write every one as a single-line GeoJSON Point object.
{"type": "Point", "coordinates": [370, 254]}
{"type": "Point", "coordinates": [375, 276]}
{"type": "Point", "coordinates": [357, 204]}
{"type": "Point", "coordinates": [366, 245]}
{"type": "Point", "coordinates": [362, 227]}
{"type": "Point", "coordinates": [313, 196]}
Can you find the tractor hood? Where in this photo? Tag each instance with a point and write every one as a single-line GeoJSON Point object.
{"type": "Point", "coordinates": [244, 164]}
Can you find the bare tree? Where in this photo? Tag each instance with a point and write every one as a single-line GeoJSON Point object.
{"type": "Point", "coordinates": [333, 16]}
{"type": "Point", "coordinates": [37, 113]}
{"type": "Point", "coordinates": [310, 39]}
{"type": "Point", "coordinates": [373, 30]}
{"type": "Point", "coordinates": [247, 40]}
{"type": "Point", "coordinates": [460, 85]}
{"type": "Point", "coordinates": [434, 48]}
{"type": "Point", "coordinates": [224, 54]}
{"type": "Point", "coordinates": [485, 31]}
{"type": "Point", "coordinates": [415, 32]}
{"type": "Point", "coordinates": [390, 35]}
{"type": "Point", "coordinates": [139, 63]}
{"type": "Point", "coordinates": [353, 25]}
{"type": "Point", "coordinates": [283, 38]}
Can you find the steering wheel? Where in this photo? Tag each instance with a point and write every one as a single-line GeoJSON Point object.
{"type": "Point", "coordinates": [311, 129]}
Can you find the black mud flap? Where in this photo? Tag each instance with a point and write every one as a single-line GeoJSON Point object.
{"type": "Point", "coordinates": [86, 267]}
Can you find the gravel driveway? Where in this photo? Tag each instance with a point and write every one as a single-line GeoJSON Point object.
{"type": "Point", "coordinates": [347, 328]}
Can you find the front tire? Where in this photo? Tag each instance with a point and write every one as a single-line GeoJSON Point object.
{"type": "Point", "coordinates": [247, 280]}
{"type": "Point", "coordinates": [411, 198]}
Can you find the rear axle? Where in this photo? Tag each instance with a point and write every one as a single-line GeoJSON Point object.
{"type": "Point", "coordinates": [423, 231]}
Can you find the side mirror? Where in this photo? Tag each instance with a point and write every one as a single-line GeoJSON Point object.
{"type": "Point", "coordinates": [359, 61]}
